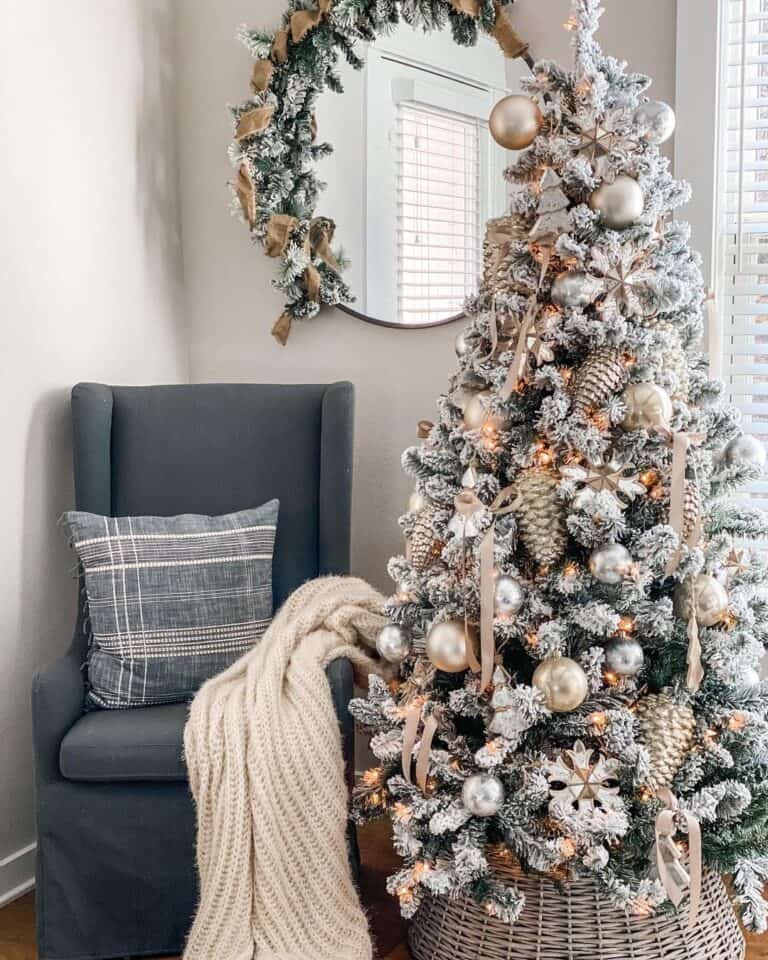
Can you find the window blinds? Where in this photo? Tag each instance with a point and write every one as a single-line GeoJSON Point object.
{"type": "Point", "coordinates": [743, 217]}
{"type": "Point", "coordinates": [438, 212]}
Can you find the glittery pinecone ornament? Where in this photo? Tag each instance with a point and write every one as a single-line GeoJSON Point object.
{"type": "Point", "coordinates": [692, 510]}
{"type": "Point", "coordinates": [500, 234]}
{"type": "Point", "coordinates": [602, 375]}
{"type": "Point", "coordinates": [666, 729]}
{"type": "Point", "coordinates": [423, 546]}
{"type": "Point", "coordinates": [675, 360]}
{"type": "Point", "coordinates": [540, 515]}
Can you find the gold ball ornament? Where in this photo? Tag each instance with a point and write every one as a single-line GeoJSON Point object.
{"type": "Point", "coordinates": [447, 646]}
{"type": "Point", "coordinates": [619, 203]}
{"type": "Point", "coordinates": [563, 683]}
{"type": "Point", "coordinates": [417, 502]}
{"type": "Point", "coordinates": [648, 405]}
{"type": "Point", "coordinates": [515, 122]}
{"type": "Point", "coordinates": [702, 596]}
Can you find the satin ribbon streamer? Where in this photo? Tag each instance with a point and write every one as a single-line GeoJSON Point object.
{"type": "Point", "coordinates": [521, 350]}
{"type": "Point", "coordinates": [466, 504]}
{"type": "Point", "coordinates": [681, 442]}
{"type": "Point", "coordinates": [410, 735]}
{"type": "Point", "coordinates": [672, 873]}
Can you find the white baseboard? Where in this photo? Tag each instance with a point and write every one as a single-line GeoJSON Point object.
{"type": "Point", "coordinates": [17, 874]}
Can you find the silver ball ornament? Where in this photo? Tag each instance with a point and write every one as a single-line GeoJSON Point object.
{"type": "Point", "coordinates": [744, 450]}
{"type": "Point", "coordinates": [462, 345]}
{"type": "Point", "coordinates": [656, 120]}
{"type": "Point", "coordinates": [515, 122]}
{"type": "Point", "coordinates": [624, 656]}
{"type": "Point", "coordinates": [447, 646]}
{"type": "Point", "coordinates": [574, 288]}
{"type": "Point", "coordinates": [702, 596]}
{"type": "Point", "coordinates": [648, 405]}
{"type": "Point", "coordinates": [417, 502]}
{"type": "Point", "coordinates": [563, 683]}
{"type": "Point", "coordinates": [393, 643]}
{"type": "Point", "coordinates": [619, 203]}
{"type": "Point", "coordinates": [610, 563]}
{"type": "Point", "coordinates": [508, 596]}
{"type": "Point", "coordinates": [482, 794]}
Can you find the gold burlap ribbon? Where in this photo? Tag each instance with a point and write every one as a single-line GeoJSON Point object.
{"type": "Point", "coordinates": [672, 873]}
{"type": "Point", "coordinates": [319, 238]}
{"type": "Point", "coordinates": [503, 32]}
{"type": "Point", "coordinates": [279, 230]}
{"type": "Point", "coordinates": [261, 75]}
{"type": "Point", "coordinates": [281, 329]}
{"type": "Point", "coordinates": [280, 46]}
{"type": "Point", "coordinates": [254, 122]}
{"type": "Point", "coordinates": [410, 736]}
{"type": "Point", "coordinates": [466, 504]}
{"type": "Point", "coordinates": [246, 194]}
{"type": "Point", "coordinates": [302, 21]}
{"type": "Point", "coordinates": [423, 429]}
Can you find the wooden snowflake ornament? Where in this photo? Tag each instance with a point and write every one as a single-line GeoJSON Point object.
{"type": "Point", "coordinates": [578, 782]}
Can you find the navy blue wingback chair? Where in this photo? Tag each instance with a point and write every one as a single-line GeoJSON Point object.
{"type": "Point", "coordinates": [116, 823]}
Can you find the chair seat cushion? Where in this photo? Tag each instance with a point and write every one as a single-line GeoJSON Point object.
{"type": "Point", "coordinates": [145, 743]}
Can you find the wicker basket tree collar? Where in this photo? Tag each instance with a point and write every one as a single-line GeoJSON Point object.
{"type": "Point", "coordinates": [276, 145]}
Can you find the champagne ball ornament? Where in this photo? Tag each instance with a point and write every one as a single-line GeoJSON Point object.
{"type": "Point", "coordinates": [703, 597]}
{"type": "Point", "coordinates": [656, 120]}
{"type": "Point", "coordinates": [563, 683]}
{"type": "Point", "coordinates": [482, 794]}
{"type": "Point", "coordinates": [515, 122]}
{"type": "Point", "coordinates": [619, 203]}
{"type": "Point", "coordinates": [508, 596]}
{"type": "Point", "coordinates": [574, 288]}
{"type": "Point", "coordinates": [648, 406]}
{"type": "Point", "coordinates": [476, 413]}
{"type": "Point", "coordinates": [610, 563]}
{"type": "Point", "coordinates": [624, 656]}
{"type": "Point", "coordinates": [744, 450]}
{"type": "Point", "coordinates": [447, 646]}
{"type": "Point", "coordinates": [417, 502]}
{"type": "Point", "coordinates": [393, 643]}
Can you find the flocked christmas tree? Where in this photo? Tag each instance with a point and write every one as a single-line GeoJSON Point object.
{"type": "Point", "coordinates": [577, 622]}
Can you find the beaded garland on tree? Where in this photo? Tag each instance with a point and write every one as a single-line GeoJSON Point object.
{"type": "Point", "coordinates": [595, 476]}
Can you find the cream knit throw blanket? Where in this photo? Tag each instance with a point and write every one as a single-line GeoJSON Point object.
{"type": "Point", "coordinates": [263, 749]}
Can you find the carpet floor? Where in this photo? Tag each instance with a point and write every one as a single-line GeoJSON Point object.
{"type": "Point", "coordinates": [18, 918]}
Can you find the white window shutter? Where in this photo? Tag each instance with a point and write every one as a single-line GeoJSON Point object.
{"type": "Point", "coordinates": [438, 211]}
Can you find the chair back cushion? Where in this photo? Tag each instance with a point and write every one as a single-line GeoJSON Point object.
{"type": "Point", "coordinates": [172, 601]}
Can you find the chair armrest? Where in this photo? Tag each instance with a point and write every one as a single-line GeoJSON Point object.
{"type": "Point", "coordinates": [58, 692]}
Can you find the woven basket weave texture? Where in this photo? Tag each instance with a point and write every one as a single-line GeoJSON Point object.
{"type": "Point", "coordinates": [573, 921]}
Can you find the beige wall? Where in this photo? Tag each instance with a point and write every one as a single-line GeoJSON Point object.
{"type": "Point", "coordinates": [231, 306]}
{"type": "Point", "coordinates": [91, 278]}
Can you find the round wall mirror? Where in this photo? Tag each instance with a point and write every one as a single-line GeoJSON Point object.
{"type": "Point", "coordinates": [415, 174]}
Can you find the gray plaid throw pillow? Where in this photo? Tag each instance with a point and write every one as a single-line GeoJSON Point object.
{"type": "Point", "coordinates": [172, 600]}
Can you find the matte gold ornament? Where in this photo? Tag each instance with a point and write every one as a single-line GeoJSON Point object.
{"type": "Point", "coordinates": [648, 406]}
{"type": "Point", "coordinates": [598, 379]}
{"type": "Point", "coordinates": [393, 642]}
{"type": "Point", "coordinates": [610, 563]}
{"type": "Point", "coordinates": [702, 597]}
{"type": "Point", "coordinates": [563, 683]}
{"type": "Point", "coordinates": [447, 646]}
{"type": "Point", "coordinates": [656, 120]}
{"type": "Point", "coordinates": [667, 730]}
{"type": "Point", "coordinates": [619, 203]}
{"type": "Point", "coordinates": [540, 515]}
{"type": "Point", "coordinates": [515, 122]}
{"type": "Point", "coordinates": [424, 548]}
{"type": "Point", "coordinates": [482, 794]}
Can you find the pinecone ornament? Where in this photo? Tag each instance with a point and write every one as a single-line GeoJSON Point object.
{"type": "Point", "coordinates": [602, 375]}
{"type": "Point", "coordinates": [675, 359]}
{"type": "Point", "coordinates": [692, 509]}
{"type": "Point", "coordinates": [540, 515]}
{"type": "Point", "coordinates": [500, 233]}
{"type": "Point", "coordinates": [666, 729]}
{"type": "Point", "coordinates": [423, 546]}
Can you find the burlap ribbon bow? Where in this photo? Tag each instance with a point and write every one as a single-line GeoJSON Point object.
{"type": "Point", "coordinates": [503, 32]}
{"type": "Point", "coordinates": [466, 504]}
{"type": "Point", "coordinates": [672, 873]}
